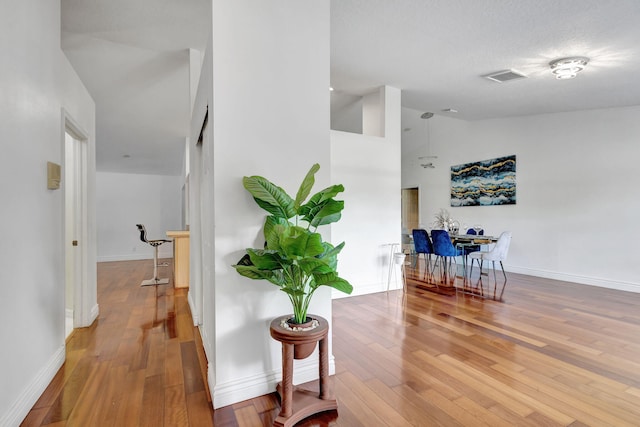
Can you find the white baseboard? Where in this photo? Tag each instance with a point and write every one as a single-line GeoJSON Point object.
{"type": "Point", "coordinates": [89, 318]}
{"type": "Point", "coordinates": [258, 385]}
{"type": "Point", "coordinates": [30, 395]}
{"type": "Point", "coordinates": [366, 289]}
{"type": "Point", "coordinates": [192, 307]}
{"type": "Point", "coordinates": [583, 280]}
{"type": "Point", "coordinates": [206, 344]}
{"type": "Point", "coordinates": [93, 314]}
{"type": "Point", "coordinates": [68, 322]}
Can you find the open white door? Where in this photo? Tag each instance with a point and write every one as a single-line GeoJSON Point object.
{"type": "Point", "coordinates": [75, 224]}
{"type": "Point", "coordinates": [200, 225]}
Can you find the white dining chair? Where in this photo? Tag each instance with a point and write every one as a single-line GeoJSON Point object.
{"type": "Point", "coordinates": [497, 253]}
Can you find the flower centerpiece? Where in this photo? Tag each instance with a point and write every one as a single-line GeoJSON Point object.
{"type": "Point", "coordinates": [444, 221]}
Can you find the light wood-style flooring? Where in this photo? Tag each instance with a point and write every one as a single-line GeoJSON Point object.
{"type": "Point", "coordinates": [551, 354]}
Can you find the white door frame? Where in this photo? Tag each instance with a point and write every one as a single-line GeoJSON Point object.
{"type": "Point", "coordinates": [206, 224]}
{"type": "Point", "coordinates": [79, 168]}
{"type": "Point", "coordinates": [197, 223]}
{"type": "Point", "coordinates": [195, 228]}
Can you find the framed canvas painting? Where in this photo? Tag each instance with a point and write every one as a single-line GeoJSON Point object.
{"type": "Point", "coordinates": [484, 183]}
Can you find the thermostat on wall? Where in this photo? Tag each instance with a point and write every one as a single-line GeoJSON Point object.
{"type": "Point", "coordinates": [53, 176]}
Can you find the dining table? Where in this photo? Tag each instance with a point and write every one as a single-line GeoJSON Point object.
{"type": "Point", "coordinates": [464, 241]}
{"type": "Point", "coordinates": [461, 242]}
{"type": "Point", "coordinates": [472, 239]}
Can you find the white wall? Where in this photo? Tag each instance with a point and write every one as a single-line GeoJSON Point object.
{"type": "Point", "coordinates": [369, 168]}
{"type": "Point", "coordinates": [36, 84]}
{"type": "Point", "coordinates": [346, 112]}
{"type": "Point", "coordinates": [266, 83]}
{"type": "Point", "coordinates": [124, 200]}
{"type": "Point", "coordinates": [576, 198]}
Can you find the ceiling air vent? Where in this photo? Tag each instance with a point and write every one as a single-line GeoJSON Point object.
{"type": "Point", "coordinates": [505, 76]}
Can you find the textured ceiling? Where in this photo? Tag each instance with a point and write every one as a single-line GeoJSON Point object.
{"type": "Point", "coordinates": [132, 56]}
{"type": "Point", "coordinates": [436, 51]}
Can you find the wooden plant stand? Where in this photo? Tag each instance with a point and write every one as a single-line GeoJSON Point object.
{"type": "Point", "coordinates": [298, 403]}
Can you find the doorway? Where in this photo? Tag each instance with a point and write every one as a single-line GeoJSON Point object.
{"type": "Point", "coordinates": [75, 223]}
{"type": "Point", "coordinates": [410, 215]}
{"type": "Point", "coordinates": [202, 213]}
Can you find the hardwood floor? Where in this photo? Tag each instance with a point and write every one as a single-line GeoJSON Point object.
{"type": "Point", "coordinates": [139, 364]}
{"type": "Point", "coordinates": [552, 354]}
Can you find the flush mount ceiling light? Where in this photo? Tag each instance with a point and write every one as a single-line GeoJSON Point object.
{"type": "Point", "coordinates": [568, 68]}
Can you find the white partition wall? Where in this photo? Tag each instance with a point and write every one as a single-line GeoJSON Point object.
{"type": "Point", "coordinates": [265, 85]}
{"type": "Point", "coordinates": [369, 168]}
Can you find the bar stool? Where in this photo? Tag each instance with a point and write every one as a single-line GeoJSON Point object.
{"type": "Point", "coordinates": [155, 244]}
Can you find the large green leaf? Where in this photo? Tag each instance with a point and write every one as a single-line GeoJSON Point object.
{"type": "Point", "coordinates": [314, 265]}
{"type": "Point", "coordinates": [273, 228]}
{"type": "Point", "coordinates": [332, 280]}
{"type": "Point", "coordinates": [317, 203]}
{"type": "Point", "coordinates": [327, 193]}
{"type": "Point", "coordinates": [272, 209]}
{"type": "Point", "coordinates": [330, 212]}
{"type": "Point", "coordinates": [298, 242]}
{"type": "Point", "coordinates": [330, 254]}
{"type": "Point", "coordinates": [253, 272]}
{"type": "Point", "coordinates": [265, 259]}
{"type": "Point", "coordinates": [341, 285]}
{"type": "Point", "coordinates": [269, 196]}
{"type": "Point", "coordinates": [305, 187]}
{"type": "Point", "coordinates": [331, 251]}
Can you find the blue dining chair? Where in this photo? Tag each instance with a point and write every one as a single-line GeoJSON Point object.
{"type": "Point", "coordinates": [472, 231]}
{"type": "Point", "coordinates": [422, 245]}
{"type": "Point", "coordinates": [474, 248]}
{"type": "Point", "coordinates": [445, 251]}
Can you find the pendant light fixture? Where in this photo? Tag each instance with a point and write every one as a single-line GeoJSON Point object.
{"type": "Point", "coordinates": [427, 161]}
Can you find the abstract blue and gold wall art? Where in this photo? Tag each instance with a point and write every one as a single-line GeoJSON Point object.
{"type": "Point", "coordinates": [484, 183]}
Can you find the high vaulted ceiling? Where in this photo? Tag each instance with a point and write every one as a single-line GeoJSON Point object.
{"type": "Point", "coordinates": [132, 56]}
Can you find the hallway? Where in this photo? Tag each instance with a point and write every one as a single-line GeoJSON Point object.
{"type": "Point", "coordinates": [139, 364]}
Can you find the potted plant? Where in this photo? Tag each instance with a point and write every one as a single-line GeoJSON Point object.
{"type": "Point", "coordinates": [294, 256]}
